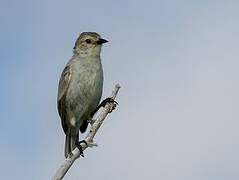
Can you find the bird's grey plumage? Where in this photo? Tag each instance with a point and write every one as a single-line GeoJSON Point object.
{"type": "Point", "coordinates": [80, 87]}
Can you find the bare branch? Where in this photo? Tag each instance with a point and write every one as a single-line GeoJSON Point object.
{"type": "Point", "coordinates": [89, 138]}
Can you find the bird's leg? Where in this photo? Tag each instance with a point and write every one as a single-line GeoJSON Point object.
{"type": "Point", "coordinates": [104, 102]}
{"type": "Point", "coordinates": [78, 145]}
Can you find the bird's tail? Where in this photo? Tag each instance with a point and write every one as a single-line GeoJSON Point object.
{"type": "Point", "coordinates": [70, 143]}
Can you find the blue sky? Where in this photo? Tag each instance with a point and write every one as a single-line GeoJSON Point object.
{"type": "Point", "coordinates": [177, 63]}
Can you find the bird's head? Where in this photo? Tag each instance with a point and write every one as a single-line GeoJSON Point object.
{"type": "Point", "coordinates": [88, 44]}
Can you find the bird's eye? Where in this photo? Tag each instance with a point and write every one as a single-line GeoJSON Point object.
{"type": "Point", "coordinates": [88, 41]}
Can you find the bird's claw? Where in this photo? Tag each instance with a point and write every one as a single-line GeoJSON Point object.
{"type": "Point", "coordinates": [109, 100]}
{"type": "Point", "coordinates": [78, 145]}
{"type": "Point", "coordinates": [103, 103]}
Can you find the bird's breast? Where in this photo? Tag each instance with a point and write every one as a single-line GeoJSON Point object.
{"type": "Point", "coordinates": [86, 86]}
{"type": "Point", "coordinates": [90, 79]}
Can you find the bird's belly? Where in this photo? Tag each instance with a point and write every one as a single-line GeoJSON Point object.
{"type": "Point", "coordinates": [90, 87]}
{"type": "Point", "coordinates": [84, 94]}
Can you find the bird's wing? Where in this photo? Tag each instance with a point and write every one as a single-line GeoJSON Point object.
{"type": "Point", "coordinates": [62, 91]}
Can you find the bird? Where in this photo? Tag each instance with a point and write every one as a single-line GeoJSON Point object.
{"type": "Point", "coordinates": [80, 88]}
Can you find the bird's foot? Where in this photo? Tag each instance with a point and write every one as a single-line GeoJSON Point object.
{"type": "Point", "coordinates": [78, 145]}
{"type": "Point", "coordinates": [109, 100]}
{"type": "Point", "coordinates": [103, 103]}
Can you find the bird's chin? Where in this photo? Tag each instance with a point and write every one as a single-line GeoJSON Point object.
{"type": "Point", "coordinates": [91, 52]}
{"type": "Point", "coordinates": [83, 54]}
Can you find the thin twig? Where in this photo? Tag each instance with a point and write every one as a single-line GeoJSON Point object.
{"type": "Point", "coordinates": [89, 138]}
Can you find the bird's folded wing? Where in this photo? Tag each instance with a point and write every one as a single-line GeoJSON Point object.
{"type": "Point", "coordinates": [62, 91]}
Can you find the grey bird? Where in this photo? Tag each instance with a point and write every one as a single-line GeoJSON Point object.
{"type": "Point", "coordinates": [80, 88]}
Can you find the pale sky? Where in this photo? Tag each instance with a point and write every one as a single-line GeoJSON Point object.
{"type": "Point", "coordinates": [177, 63]}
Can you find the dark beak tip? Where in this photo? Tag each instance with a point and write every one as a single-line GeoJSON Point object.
{"type": "Point", "coordinates": [102, 41]}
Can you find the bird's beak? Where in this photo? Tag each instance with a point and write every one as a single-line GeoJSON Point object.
{"type": "Point", "coordinates": [101, 41]}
